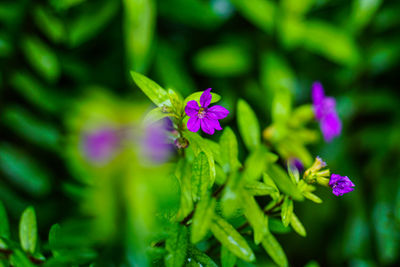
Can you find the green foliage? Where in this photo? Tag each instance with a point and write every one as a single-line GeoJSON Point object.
{"type": "Point", "coordinates": [215, 199]}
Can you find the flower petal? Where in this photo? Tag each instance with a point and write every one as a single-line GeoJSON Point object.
{"type": "Point", "coordinates": [317, 93]}
{"type": "Point", "coordinates": [205, 98]}
{"type": "Point", "coordinates": [217, 112]}
{"type": "Point", "coordinates": [331, 126]}
{"type": "Point", "coordinates": [192, 108]}
{"type": "Point", "coordinates": [207, 126]}
{"type": "Point", "coordinates": [214, 124]}
{"type": "Point", "coordinates": [193, 124]}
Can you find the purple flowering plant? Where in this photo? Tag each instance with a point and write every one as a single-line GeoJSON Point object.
{"type": "Point", "coordinates": [210, 172]}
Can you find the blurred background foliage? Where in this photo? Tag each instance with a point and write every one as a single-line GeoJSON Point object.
{"type": "Point", "coordinates": [64, 72]}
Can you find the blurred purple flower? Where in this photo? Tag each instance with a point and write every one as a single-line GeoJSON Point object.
{"type": "Point", "coordinates": [204, 116]}
{"type": "Point", "coordinates": [100, 145]}
{"type": "Point", "coordinates": [340, 184]}
{"type": "Point", "coordinates": [155, 143]}
{"type": "Point", "coordinates": [325, 112]}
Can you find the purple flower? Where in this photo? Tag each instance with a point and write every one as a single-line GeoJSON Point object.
{"type": "Point", "coordinates": [340, 184]}
{"type": "Point", "coordinates": [100, 145]}
{"type": "Point", "coordinates": [325, 112]}
{"type": "Point", "coordinates": [204, 116]}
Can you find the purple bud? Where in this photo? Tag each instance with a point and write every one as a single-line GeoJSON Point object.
{"type": "Point", "coordinates": [296, 163]}
{"type": "Point", "coordinates": [340, 184]}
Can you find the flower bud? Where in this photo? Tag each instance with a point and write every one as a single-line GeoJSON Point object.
{"type": "Point", "coordinates": [181, 143]}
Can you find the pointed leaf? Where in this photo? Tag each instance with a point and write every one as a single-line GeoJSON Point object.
{"type": "Point", "coordinates": [202, 219]}
{"type": "Point", "coordinates": [256, 218]}
{"type": "Point", "coordinates": [248, 125]}
{"type": "Point", "coordinates": [312, 197]}
{"type": "Point", "coordinates": [229, 153]}
{"type": "Point", "coordinates": [200, 176]}
{"type": "Point", "coordinates": [28, 230]}
{"type": "Point", "coordinates": [284, 183]}
{"type": "Point", "coordinates": [177, 245]}
{"type": "Point", "coordinates": [297, 225]}
{"type": "Point", "coordinates": [274, 250]}
{"type": "Point", "coordinates": [287, 211]}
{"type": "Point", "coordinates": [259, 189]}
{"type": "Point", "coordinates": [229, 237]}
{"type": "Point", "coordinates": [151, 89]}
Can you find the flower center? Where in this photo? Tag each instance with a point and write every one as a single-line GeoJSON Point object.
{"type": "Point", "coordinates": [202, 113]}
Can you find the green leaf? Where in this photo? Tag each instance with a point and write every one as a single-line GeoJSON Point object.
{"type": "Point", "coordinates": [260, 189]}
{"type": "Point", "coordinates": [287, 211]}
{"type": "Point", "coordinates": [196, 96]}
{"type": "Point", "coordinates": [183, 174]}
{"type": "Point", "coordinates": [276, 226]}
{"type": "Point", "coordinates": [274, 250]}
{"type": "Point", "coordinates": [248, 125]}
{"type": "Point", "coordinates": [50, 25]}
{"type": "Point", "coordinates": [28, 230]}
{"type": "Point", "coordinates": [231, 239]}
{"type": "Point", "coordinates": [224, 60]}
{"type": "Point", "coordinates": [261, 13]}
{"type": "Point", "coordinates": [176, 102]}
{"type": "Point", "coordinates": [199, 144]}
{"type": "Point", "coordinates": [281, 106]}
{"type": "Point", "coordinates": [255, 217]}
{"type": "Point", "coordinates": [200, 176]}
{"type": "Point", "coordinates": [297, 225]}
{"type": "Point", "coordinates": [19, 259]}
{"type": "Point", "coordinates": [23, 171]}
{"type": "Point", "coordinates": [312, 197]}
{"type": "Point", "coordinates": [177, 245]}
{"type": "Point", "coordinates": [229, 154]}
{"type": "Point", "coordinates": [156, 114]}
{"type": "Point", "coordinates": [151, 89]}
{"type": "Point", "coordinates": [202, 219]}
{"type": "Point", "coordinates": [139, 25]}
{"type": "Point", "coordinates": [201, 258]}
{"type": "Point", "coordinates": [331, 42]}
{"type": "Point", "coordinates": [284, 183]}
{"type": "Point", "coordinates": [256, 163]}
{"type": "Point", "coordinates": [90, 21]}
{"type": "Point", "coordinates": [4, 226]}
{"type": "Point", "coordinates": [30, 128]}
{"type": "Point", "coordinates": [228, 259]}
{"type": "Point", "coordinates": [231, 201]}
{"type": "Point", "coordinates": [53, 237]}
{"type": "Point", "coordinates": [41, 58]}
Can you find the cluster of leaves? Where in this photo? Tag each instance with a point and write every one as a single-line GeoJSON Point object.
{"type": "Point", "coordinates": [52, 51]}
{"type": "Point", "coordinates": [61, 247]}
{"type": "Point", "coordinates": [221, 195]}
